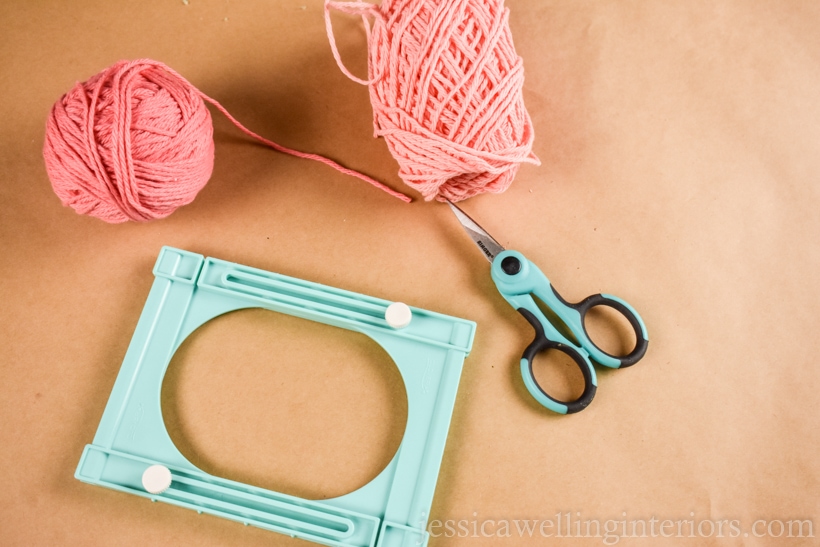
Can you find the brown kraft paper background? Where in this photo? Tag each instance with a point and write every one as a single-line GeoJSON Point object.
{"type": "Point", "coordinates": [680, 150]}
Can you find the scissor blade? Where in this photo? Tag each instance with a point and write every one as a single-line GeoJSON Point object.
{"type": "Point", "coordinates": [489, 246]}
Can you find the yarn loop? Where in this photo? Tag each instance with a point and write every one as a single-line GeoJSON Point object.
{"type": "Point", "coordinates": [446, 85]}
{"type": "Point", "coordinates": [135, 142]}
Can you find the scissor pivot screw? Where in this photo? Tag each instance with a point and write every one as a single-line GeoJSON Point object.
{"type": "Point", "coordinates": [511, 265]}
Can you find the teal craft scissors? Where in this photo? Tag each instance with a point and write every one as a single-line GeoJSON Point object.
{"type": "Point", "coordinates": [518, 280]}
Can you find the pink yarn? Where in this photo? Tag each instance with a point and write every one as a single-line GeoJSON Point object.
{"type": "Point", "coordinates": [135, 142]}
{"type": "Point", "coordinates": [446, 88]}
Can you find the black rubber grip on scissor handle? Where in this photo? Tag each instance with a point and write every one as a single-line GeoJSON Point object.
{"type": "Point", "coordinates": [542, 343]}
{"type": "Point", "coordinates": [641, 343]}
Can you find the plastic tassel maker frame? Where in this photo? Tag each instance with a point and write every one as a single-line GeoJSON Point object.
{"type": "Point", "coordinates": [189, 290]}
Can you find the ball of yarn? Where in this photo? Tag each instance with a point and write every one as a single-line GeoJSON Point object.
{"type": "Point", "coordinates": [134, 142]}
{"type": "Point", "coordinates": [446, 89]}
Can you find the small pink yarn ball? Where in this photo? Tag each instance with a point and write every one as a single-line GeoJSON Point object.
{"type": "Point", "coordinates": [134, 142]}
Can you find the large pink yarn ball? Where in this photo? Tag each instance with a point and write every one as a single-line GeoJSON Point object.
{"type": "Point", "coordinates": [446, 86]}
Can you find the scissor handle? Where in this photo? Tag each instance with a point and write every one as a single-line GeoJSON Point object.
{"type": "Point", "coordinates": [517, 279]}
{"type": "Point", "coordinates": [629, 313]}
{"type": "Point", "coordinates": [541, 344]}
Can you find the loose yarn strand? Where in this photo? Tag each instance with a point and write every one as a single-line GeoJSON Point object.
{"type": "Point", "coordinates": [135, 142]}
{"type": "Point", "coordinates": [306, 155]}
{"type": "Point", "coordinates": [353, 8]}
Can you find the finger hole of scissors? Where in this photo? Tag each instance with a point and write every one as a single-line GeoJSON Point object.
{"type": "Point", "coordinates": [558, 375]}
{"type": "Point", "coordinates": [610, 330]}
